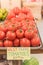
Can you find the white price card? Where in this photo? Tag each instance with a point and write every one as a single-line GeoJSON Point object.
{"type": "Point", "coordinates": [18, 53]}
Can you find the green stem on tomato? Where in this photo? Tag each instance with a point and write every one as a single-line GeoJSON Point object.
{"type": "Point", "coordinates": [20, 30]}
{"type": "Point", "coordinates": [27, 20]}
{"type": "Point", "coordinates": [29, 30]}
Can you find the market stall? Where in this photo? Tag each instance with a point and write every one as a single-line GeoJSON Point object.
{"type": "Point", "coordinates": [21, 24]}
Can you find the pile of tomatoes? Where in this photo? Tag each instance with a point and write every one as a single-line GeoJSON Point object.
{"type": "Point", "coordinates": [19, 29]}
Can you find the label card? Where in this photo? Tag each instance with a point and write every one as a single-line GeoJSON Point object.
{"type": "Point", "coordinates": [18, 53]}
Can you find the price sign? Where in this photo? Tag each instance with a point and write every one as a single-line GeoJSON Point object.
{"type": "Point", "coordinates": [18, 53]}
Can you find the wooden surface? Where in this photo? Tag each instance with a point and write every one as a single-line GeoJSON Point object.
{"type": "Point", "coordinates": [32, 51]}
{"type": "Point", "coordinates": [38, 51]}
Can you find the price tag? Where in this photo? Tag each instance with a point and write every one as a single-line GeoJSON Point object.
{"type": "Point", "coordinates": [18, 53]}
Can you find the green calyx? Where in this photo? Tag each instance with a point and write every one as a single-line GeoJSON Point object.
{"type": "Point", "coordinates": [20, 30]}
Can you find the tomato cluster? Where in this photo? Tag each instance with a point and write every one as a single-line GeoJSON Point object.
{"type": "Point", "coordinates": [19, 29]}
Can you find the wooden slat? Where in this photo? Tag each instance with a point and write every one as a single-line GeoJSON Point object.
{"type": "Point", "coordinates": [2, 52]}
{"type": "Point", "coordinates": [37, 51]}
{"type": "Point", "coordinates": [32, 51]}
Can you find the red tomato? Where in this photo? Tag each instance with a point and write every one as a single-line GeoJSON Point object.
{"type": "Point", "coordinates": [11, 35]}
{"type": "Point", "coordinates": [2, 35]}
{"type": "Point", "coordinates": [35, 30]}
{"type": "Point", "coordinates": [10, 15]}
{"type": "Point", "coordinates": [1, 44]}
{"type": "Point", "coordinates": [29, 34]}
{"type": "Point", "coordinates": [12, 27]}
{"type": "Point", "coordinates": [35, 35]}
{"type": "Point", "coordinates": [21, 17]}
{"type": "Point", "coordinates": [35, 41]}
{"type": "Point", "coordinates": [33, 0]}
{"type": "Point", "coordinates": [32, 21]}
{"type": "Point", "coordinates": [23, 23]}
{"type": "Point", "coordinates": [0, 27]}
{"type": "Point", "coordinates": [14, 20]}
{"type": "Point", "coordinates": [6, 21]}
{"type": "Point", "coordinates": [24, 28]}
{"type": "Point", "coordinates": [24, 42]}
{"type": "Point", "coordinates": [32, 24]}
{"type": "Point", "coordinates": [25, 10]}
{"type": "Point", "coordinates": [16, 10]}
{"type": "Point", "coordinates": [16, 42]}
{"type": "Point", "coordinates": [30, 27]}
{"type": "Point", "coordinates": [27, 22]}
{"type": "Point", "coordinates": [29, 16]}
{"type": "Point", "coordinates": [4, 28]}
{"type": "Point", "coordinates": [8, 43]}
{"type": "Point", "coordinates": [20, 33]}
{"type": "Point", "coordinates": [19, 25]}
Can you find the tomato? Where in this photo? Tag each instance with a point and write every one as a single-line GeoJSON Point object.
{"type": "Point", "coordinates": [16, 10]}
{"type": "Point", "coordinates": [29, 16]}
{"type": "Point", "coordinates": [35, 30]}
{"type": "Point", "coordinates": [31, 24]}
{"type": "Point", "coordinates": [12, 27]}
{"type": "Point", "coordinates": [1, 44]}
{"type": "Point", "coordinates": [21, 17]}
{"type": "Point", "coordinates": [10, 15]}
{"type": "Point", "coordinates": [16, 42]}
{"type": "Point", "coordinates": [4, 28]}
{"type": "Point", "coordinates": [24, 42]}
{"type": "Point", "coordinates": [25, 10]}
{"type": "Point", "coordinates": [6, 21]}
{"type": "Point", "coordinates": [33, 0]}
{"type": "Point", "coordinates": [23, 22]}
{"type": "Point", "coordinates": [11, 35]}
{"type": "Point", "coordinates": [14, 20]}
{"type": "Point", "coordinates": [35, 35]}
{"type": "Point", "coordinates": [18, 25]}
{"type": "Point", "coordinates": [24, 28]}
{"type": "Point", "coordinates": [29, 34]}
{"type": "Point", "coordinates": [8, 43]}
{"type": "Point", "coordinates": [20, 33]}
{"type": "Point", "coordinates": [30, 27]}
{"type": "Point", "coordinates": [2, 35]}
{"type": "Point", "coordinates": [35, 41]}
{"type": "Point", "coordinates": [0, 27]}
{"type": "Point", "coordinates": [27, 22]}
{"type": "Point", "coordinates": [32, 21]}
